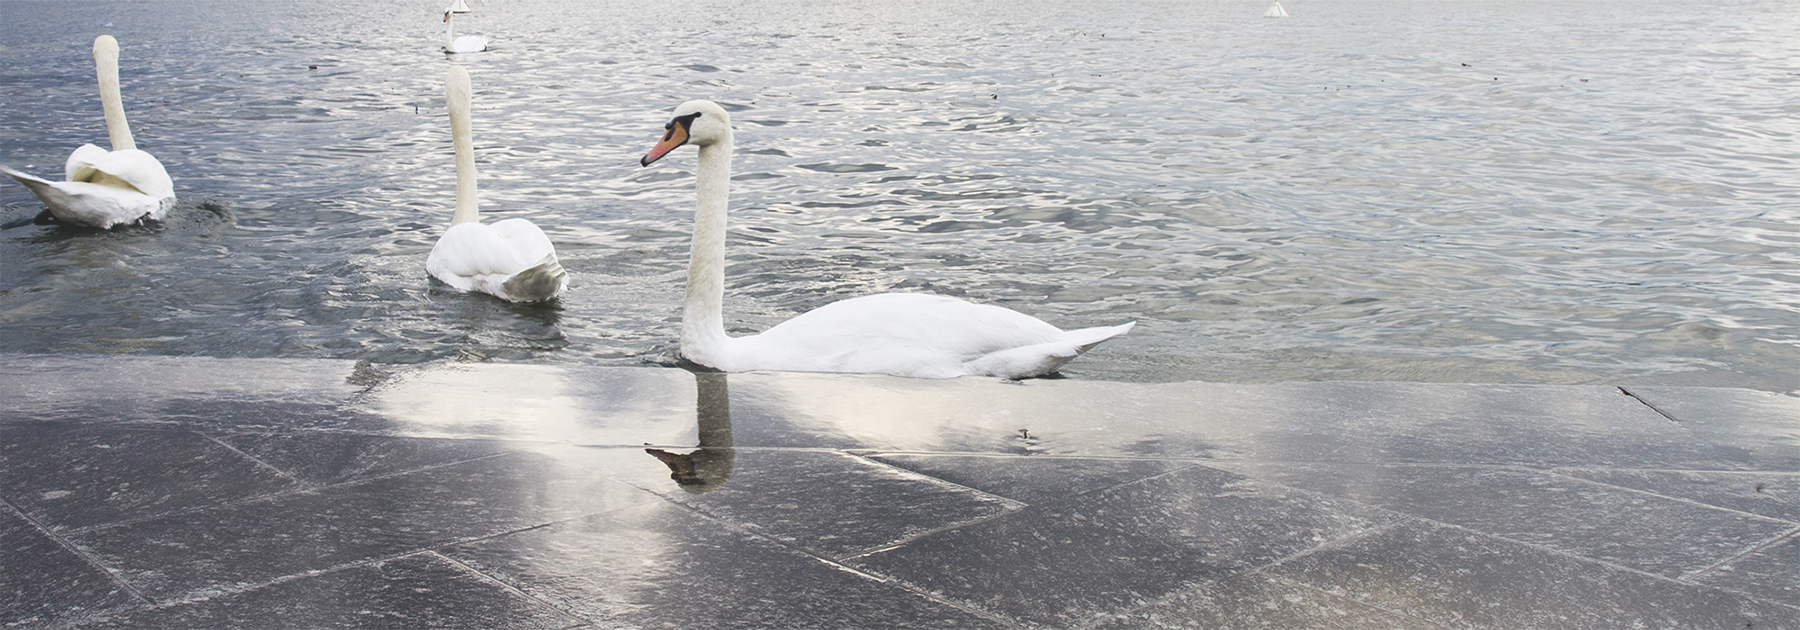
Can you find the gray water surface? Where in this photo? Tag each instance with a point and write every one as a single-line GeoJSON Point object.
{"type": "Point", "coordinates": [1464, 191]}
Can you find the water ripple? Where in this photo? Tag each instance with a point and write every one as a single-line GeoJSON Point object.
{"type": "Point", "coordinates": [1370, 189]}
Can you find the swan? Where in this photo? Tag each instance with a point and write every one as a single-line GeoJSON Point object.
{"type": "Point", "coordinates": [902, 334]}
{"type": "Point", "coordinates": [512, 259]}
{"type": "Point", "coordinates": [464, 44]}
{"type": "Point", "coordinates": [106, 188]}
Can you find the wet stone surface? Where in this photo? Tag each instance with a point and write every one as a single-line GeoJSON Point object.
{"type": "Point", "coordinates": [74, 476]}
{"type": "Point", "coordinates": [663, 565]}
{"type": "Point", "coordinates": [1650, 533]}
{"type": "Point", "coordinates": [1065, 563]}
{"type": "Point", "coordinates": [240, 493]}
{"type": "Point", "coordinates": [46, 583]}
{"type": "Point", "coordinates": [417, 591]}
{"type": "Point", "coordinates": [1255, 600]}
{"type": "Point", "coordinates": [1463, 579]}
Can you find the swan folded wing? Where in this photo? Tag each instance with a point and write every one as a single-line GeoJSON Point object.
{"type": "Point", "coordinates": [468, 44]}
{"type": "Point", "coordinates": [904, 334]}
{"type": "Point", "coordinates": [80, 167]}
{"type": "Point", "coordinates": [131, 168]}
{"type": "Point", "coordinates": [468, 250]}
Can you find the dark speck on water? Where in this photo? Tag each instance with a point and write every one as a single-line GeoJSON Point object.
{"type": "Point", "coordinates": [1183, 172]}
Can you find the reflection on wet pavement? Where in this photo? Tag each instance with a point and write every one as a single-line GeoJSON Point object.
{"type": "Point", "coordinates": [212, 493]}
{"type": "Point", "coordinates": [709, 465]}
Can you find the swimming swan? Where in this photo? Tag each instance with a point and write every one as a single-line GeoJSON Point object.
{"type": "Point", "coordinates": [106, 188]}
{"type": "Point", "coordinates": [903, 334]}
{"type": "Point", "coordinates": [464, 44]}
{"type": "Point", "coordinates": [511, 259]}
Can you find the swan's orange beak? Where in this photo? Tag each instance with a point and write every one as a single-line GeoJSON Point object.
{"type": "Point", "coordinates": [446, 16]}
{"type": "Point", "coordinates": [676, 136]}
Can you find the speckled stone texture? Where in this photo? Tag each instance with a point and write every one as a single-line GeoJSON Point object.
{"type": "Point", "coordinates": [142, 492]}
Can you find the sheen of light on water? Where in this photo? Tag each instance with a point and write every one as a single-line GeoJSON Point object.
{"type": "Point", "coordinates": [1540, 192]}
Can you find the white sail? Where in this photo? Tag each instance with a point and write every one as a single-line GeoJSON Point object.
{"type": "Point", "coordinates": [460, 6]}
{"type": "Point", "coordinates": [1275, 10]}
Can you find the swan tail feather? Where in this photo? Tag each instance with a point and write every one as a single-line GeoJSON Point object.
{"type": "Point", "coordinates": [541, 282]}
{"type": "Point", "coordinates": [27, 179]}
{"type": "Point", "coordinates": [1086, 338]}
{"type": "Point", "coordinates": [1043, 358]}
{"type": "Point", "coordinates": [45, 190]}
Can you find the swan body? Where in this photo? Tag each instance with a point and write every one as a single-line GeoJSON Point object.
{"type": "Point", "coordinates": [902, 334]}
{"type": "Point", "coordinates": [512, 259]}
{"type": "Point", "coordinates": [463, 44]}
{"type": "Point", "coordinates": [103, 188]}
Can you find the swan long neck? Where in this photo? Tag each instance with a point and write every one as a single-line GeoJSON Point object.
{"type": "Point", "coordinates": [449, 32]}
{"type": "Point", "coordinates": [703, 322]}
{"type": "Point", "coordinates": [456, 93]}
{"type": "Point", "coordinates": [106, 66]}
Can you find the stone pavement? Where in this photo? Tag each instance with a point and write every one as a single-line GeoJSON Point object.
{"type": "Point", "coordinates": [148, 492]}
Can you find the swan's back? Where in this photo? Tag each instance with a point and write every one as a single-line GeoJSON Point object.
{"type": "Point", "coordinates": [910, 334]}
{"type": "Point", "coordinates": [482, 257]}
{"type": "Point", "coordinates": [468, 44]}
{"type": "Point", "coordinates": [127, 168]}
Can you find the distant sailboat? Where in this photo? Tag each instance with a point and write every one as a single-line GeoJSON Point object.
{"type": "Point", "coordinates": [460, 6]}
{"type": "Point", "coordinates": [1275, 10]}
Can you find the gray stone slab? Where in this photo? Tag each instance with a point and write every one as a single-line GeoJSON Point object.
{"type": "Point", "coordinates": [1461, 579]}
{"type": "Point", "coordinates": [1068, 563]}
{"type": "Point", "coordinates": [1349, 422]}
{"type": "Point", "coordinates": [1760, 430]}
{"type": "Point", "coordinates": [1771, 494]}
{"type": "Point", "coordinates": [245, 544]}
{"type": "Point", "coordinates": [43, 583]}
{"type": "Point", "coordinates": [833, 504]}
{"type": "Point", "coordinates": [330, 458]}
{"type": "Point", "coordinates": [1353, 422]}
{"type": "Point", "coordinates": [228, 416]}
{"type": "Point", "coordinates": [1256, 601]}
{"type": "Point", "coordinates": [71, 476]}
{"type": "Point", "coordinates": [128, 388]}
{"type": "Point", "coordinates": [423, 457]}
{"type": "Point", "coordinates": [1653, 534]}
{"type": "Point", "coordinates": [1771, 573]}
{"type": "Point", "coordinates": [566, 404]}
{"type": "Point", "coordinates": [663, 565]}
{"type": "Point", "coordinates": [417, 591]}
{"type": "Point", "coordinates": [1031, 479]}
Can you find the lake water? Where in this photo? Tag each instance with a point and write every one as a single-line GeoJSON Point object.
{"type": "Point", "coordinates": [1465, 191]}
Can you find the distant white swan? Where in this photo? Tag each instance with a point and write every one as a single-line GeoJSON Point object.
{"type": "Point", "coordinates": [464, 44]}
{"type": "Point", "coordinates": [511, 259]}
{"type": "Point", "coordinates": [106, 188]}
{"type": "Point", "coordinates": [1275, 11]}
{"type": "Point", "coordinates": [903, 334]}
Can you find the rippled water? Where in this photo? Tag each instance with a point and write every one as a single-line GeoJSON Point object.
{"type": "Point", "coordinates": [1560, 192]}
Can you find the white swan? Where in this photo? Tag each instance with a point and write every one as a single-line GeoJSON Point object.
{"type": "Point", "coordinates": [464, 44]}
{"type": "Point", "coordinates": [106, 188]}
{"type": "Point", "coordinates": [903, 334]}
{"type": "Point", "coordinates": [511, 259]}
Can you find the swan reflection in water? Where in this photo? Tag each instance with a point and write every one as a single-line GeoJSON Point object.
{"type": "Point", "coordinates": [706, 468]}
